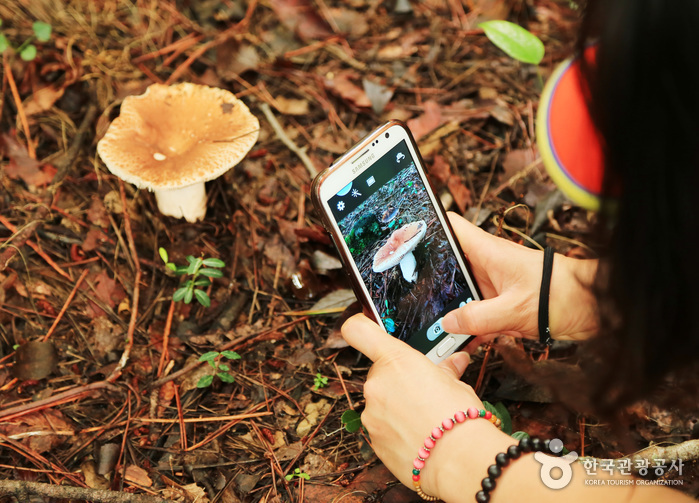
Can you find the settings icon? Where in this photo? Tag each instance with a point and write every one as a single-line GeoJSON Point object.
{"type": "Point", "coordinates": [340, 205]}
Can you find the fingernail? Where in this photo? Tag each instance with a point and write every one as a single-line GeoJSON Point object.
{"type": "Point", "coordinates": [450, 323]}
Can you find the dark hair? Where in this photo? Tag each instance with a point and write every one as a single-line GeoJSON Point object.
{"type": "Point", "coordinates": [644, 98]}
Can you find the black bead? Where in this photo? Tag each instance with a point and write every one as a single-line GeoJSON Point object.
{"type": "Point", "coordinates": [513, 452]}
{"type": "Point", "coordinates": [525, 444]}
{"type": "Point", "coordinates": [502, 460]}
{"type": "Point", "coordinates": [494, 471]}
{"type": "Point", "coordinates": [547, 442]}
{"type": "Point", "coordinates": [488, 484]}
{"type": "Point", "coordinates": [537, 444]}
{"type": "Point", "coordinates": [482, 497]}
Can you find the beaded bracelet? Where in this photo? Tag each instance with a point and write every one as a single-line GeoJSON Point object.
{"type": "Point", "coordinates": [503, 459]}
{"type": "Point", "coordinates": [437, 432]}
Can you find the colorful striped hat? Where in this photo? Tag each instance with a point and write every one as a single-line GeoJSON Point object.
{"type": "Point", "coordinates": [569, 144]}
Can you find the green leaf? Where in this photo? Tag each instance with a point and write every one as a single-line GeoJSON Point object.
{"type": "Point", "coordinates": [42, 31]}
{"type": "Point", "coordinates": [517, 42]}
{"type": "Point", "coordinates": [211, 273]}
{"type": "Point", "coordinates": [519, 435]}
{"type": "Point", "coordinates": [209, 357]}
{"type": "Point", "coordinates": [181, 269]}
{"type": "Point", "coordinates": [202, 282]}
{"type": "Point", "coordinates": [224, 367]}
{"type": "Point", "coordinates": [205, 381]}
{"type": "Point", "coordinates": [188, 294]}
{"type": "Point", "coordinates": [304, 475]}
{"type": "Point", "coordinates": [289, 477]}
{"type": "Point", "coordinates": [202, 297]}
{"type": "Point", "coordinates": [191, 259]}
{"type": "Point", "coordinates": [214, 262]}
{"type": "Point", "coordinates": [163, 255]}
{"type": "Point", "coordinates": [231, 355]}
{"type": "Point", "coordinates": [351, 420]}
{"type": "Point", "coordinates": [4, 44]}
{"type": "Point", "coordinates": [179, 294]}
{"type": "Point", "coordinates": [225, 377]}
{"type": "Point", "coordinates": [490, 407]}
{"type": "Point", "coordinates": [28, 53]}
{"type": "Point", "coordinates": [171, 266]}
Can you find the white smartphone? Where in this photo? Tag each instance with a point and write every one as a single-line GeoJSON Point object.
{"type": "Point", "coordinates": [395, 240]}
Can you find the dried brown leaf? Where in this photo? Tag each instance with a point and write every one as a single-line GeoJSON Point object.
{"type": "Point", "coordinates": [429, 120]}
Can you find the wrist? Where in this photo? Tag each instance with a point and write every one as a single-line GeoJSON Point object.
{"type": "Point", "coordinates": [459, 462]}
{"type": "Point", "coordinates": [573, 306]}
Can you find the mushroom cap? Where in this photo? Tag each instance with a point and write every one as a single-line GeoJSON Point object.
{"type": "Point", "coordinates": [399, 244]}
{"type": "Point", "coordinates": [174, 136]}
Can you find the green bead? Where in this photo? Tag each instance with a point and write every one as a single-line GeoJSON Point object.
{"type": "Point", "coordinates": [416, 471]}
{"type": "Point", "coordinates": [481, 413]}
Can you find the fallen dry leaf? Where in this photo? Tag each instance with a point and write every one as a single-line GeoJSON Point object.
{"type": "Point", "coordinates": [302, 18]}
{"type": "Point", "coordinates": [97, 213]}
{"type": "Point", "coordinates": [461, 193]}
{"type": "Point", "coordinates": [35, 360]}
{"type": "Point", "coordinates": [429, 120]}
{"type": "Point", "coordinates": [315, 411]}
{"type": "Point", "coordinates": [440, 170]}
{"type": "Point", "coordinates": [291, 106]}
{"type": "Point", "coordinates": [341, 85]}
{"type": "Point", "coordinates": [42, 100]}
{"type": "Point", "coordinates": [22, 166]}
{"type": "Point", "coordinates": [138, 476]}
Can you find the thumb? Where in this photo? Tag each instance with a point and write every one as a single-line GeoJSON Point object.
{"type": "Point", "coordinates": [456, 364]}
{"type": "Point", "coordinates": [481, 317]}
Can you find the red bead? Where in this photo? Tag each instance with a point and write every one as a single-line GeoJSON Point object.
{"type": "Point", "coordinates": [429, 443]}
{"type": "Point", "coordinates": [460, 417]}
{"type": "Point", "coordinates": [418, 464]}
{"type": "Point", "coordinates": [423, 453]}
{"type": "Point", "coordinates": [488, 414]}
{"type": "Point", "coordinates": [437, 433]}
{"type": "Point", "coordinates": [416, 478]}
{"type": "Point", "coordinates": [472, 412]}
{"type": "Point", "coordinates": [447, 424]}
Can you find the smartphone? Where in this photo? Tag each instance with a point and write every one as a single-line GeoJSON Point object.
{"type": "Point", "coordinates": [395, 240]}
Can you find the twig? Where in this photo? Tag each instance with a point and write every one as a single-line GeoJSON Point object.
{"type": "Point", "coordinates": [686, 451]}
{"type": "Point", "coordinates": [20, 108]}
{"type": "Point", "coordinates": [65, 305]}
{"type": "Point", "coordinates": [66, 396]}
{"type": "Point", "coordinates": [137, 280]}
{"type": "Point", "coordinates": [279, 131]}
{"type": "Point", "coordinates": [23, 490]}
{"type": "Point", "coordinates": [68, 159]}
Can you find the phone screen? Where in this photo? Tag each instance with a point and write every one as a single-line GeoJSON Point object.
{"type": "Point", "coordinates": [400, 248]}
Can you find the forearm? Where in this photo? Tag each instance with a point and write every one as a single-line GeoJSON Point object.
{"type": "Point", "coordinates": [466, 456]}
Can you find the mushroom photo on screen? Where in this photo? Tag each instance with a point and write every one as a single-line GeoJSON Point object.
{"type": "Point", "coordinates": [398, 250]}
{"type": "Point", "coordinates": [173, 139]}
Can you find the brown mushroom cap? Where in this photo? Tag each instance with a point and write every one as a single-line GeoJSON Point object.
{"type": "Point", "coordinates": [399, 244]}
{"type": "Point", "coordinates": [174, 136]}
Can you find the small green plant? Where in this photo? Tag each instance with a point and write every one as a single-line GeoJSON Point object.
{"type": "Point", "coordinates": [197, 267]}
{"type": "Point", "coordinates": [351, 420]}
{"type": "Point", "coordinates": [221, 369]}
{"type": "Point", "coordinates": [319, 381]}
{"type": "Point", "coordinates": [27, 50]}
{"type": "Point", "coordinates": [298, 474]}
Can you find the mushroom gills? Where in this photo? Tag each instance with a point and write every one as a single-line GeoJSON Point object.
{"type": "Point", "coordinates": [408, 266]}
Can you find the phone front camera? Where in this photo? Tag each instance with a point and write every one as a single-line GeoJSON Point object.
{"type": "Point", "coordinates": [387, 135]}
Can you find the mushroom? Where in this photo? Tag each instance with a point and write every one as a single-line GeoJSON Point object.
{"type": "Point", "coordinates": [173, 139]}
{"type": "Point", "coordinates": [399, 250]}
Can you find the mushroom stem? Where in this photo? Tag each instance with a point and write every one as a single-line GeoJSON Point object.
{"type": "Point", "coordinates": [408, 266]}
{"type": "Point", "coordinates": [188, 202]}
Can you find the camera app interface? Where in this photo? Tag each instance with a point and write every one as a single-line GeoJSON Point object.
{"type": "Point", "coordinates": [401, 249]}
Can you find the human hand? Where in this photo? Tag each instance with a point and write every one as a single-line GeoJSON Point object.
{"type": "Point", "coordinates": [406, 397]}
{"type": "Point", "coordinates": [509, 276]}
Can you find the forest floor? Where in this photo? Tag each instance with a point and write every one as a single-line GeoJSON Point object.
{"type": "Point", "coordinates": [99, 366]}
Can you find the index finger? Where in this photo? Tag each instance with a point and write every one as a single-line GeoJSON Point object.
{"type": "Point", "coordinates": [367, 337]}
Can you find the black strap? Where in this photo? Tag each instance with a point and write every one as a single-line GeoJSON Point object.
{"type": "Point", "coordinates": [544, 330]}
